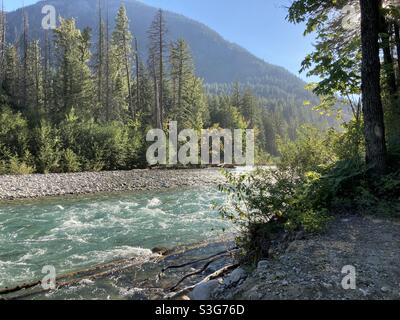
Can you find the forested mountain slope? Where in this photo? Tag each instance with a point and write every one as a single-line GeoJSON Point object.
{"type": "Point", "coordinates": [217, 60]}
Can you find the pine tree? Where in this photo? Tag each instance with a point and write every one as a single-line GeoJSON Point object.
{"type": "Point", "coordinates": [157, 40]}
{"type": "Point", "coordinates": [145, 96]}
{"type": "Point", "coordinates": [47, 76]}
{"type": "Point", "coordinates": [34, 82]}
{"type": "Point", "coordinates": [24, 65]}
{"type": "Point", "coordinates": [74, 87]}
{"type": "Point", "coordinates": [123, 58]}
{"type": "Point", "coordinates": [100, 64]}
{"type": "Point", "coordinates": [182, 71]}
{"type": "Point", "coordinates": [11, 74]}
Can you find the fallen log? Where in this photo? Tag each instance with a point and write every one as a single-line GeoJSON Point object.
{"type": "Point", "coordinates": [217, 274]}
{"type": "Point", "coordinates": [199, 260]}
{"type": "Point", "coordinates": [204, 268]}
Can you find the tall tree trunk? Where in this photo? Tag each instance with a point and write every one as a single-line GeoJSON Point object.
{"type": "Point", "coordinates": [128, 78]}
{"type": "Point", "coordinates": [100, 58]}
{"type": "Point", "coordinates": [161, 106]}
{"type": "Point", "coordinates": [107, 71]}
{"type": "Point", "coordinates": [25, 40]}
{"type": "Point", "coordinates": [2, 42]}
{"type": "Point", "coordinates": [137, 76]}
{"type": "Point", "coordinates": [371, 90]}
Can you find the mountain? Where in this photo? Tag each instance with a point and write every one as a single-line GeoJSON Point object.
{"type": "Point", "coordinates": [217, 60]}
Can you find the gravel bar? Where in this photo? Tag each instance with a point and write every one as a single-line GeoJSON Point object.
{"type": "Point", "coordinates": [50, 185]}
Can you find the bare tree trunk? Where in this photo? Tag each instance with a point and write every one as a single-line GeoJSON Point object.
{"type": "Point", "coordinates": [2, 41]}
{"type": "Point", "coordinates": [24, 62]}
{"type": "Point", "coordinates": [128, 78]}
{"type": "Point", "coordinates": [137, 76]}
{"type": "Point", "coordinates": [161, 106]}
{"type": "Point", "coordinates": [107, 75]}
{"type": "Point", "coordinates": [371, 89]}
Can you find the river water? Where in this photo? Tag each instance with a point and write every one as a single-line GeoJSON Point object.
{"type": "Point", "coordinates": [74, 233]}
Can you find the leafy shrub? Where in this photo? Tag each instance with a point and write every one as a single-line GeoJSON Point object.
{"type": "Point", "coordinates": [14, 135]}
{"type": "Point", "coordinates": [311, 151]}
{"type": "Point", "coordinates": [267, 202]}
{"type": "Point", "coordinates": [70, 161]}
{"type": "Point", "coordinates": [19, 167]}
{"type": "Point", "coordinates": [48, 154]}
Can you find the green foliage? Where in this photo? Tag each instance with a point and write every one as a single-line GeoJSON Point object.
{"type": "Point", "coordinates": [48, 154]}
{"type": "Point", "coordinates": [19, 167]}
{"type": "Point", "coordinates": [317, 173]}
{"type": "Point", "coordinates": [14, 134]}
{"type": "Point", "coordinates": [70, 161]}
{"type": "Point", "coordinates": [265, 203]}
{"type": "Point", "coordinates": [312, 151]}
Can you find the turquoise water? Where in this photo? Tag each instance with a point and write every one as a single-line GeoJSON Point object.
{"type": "Point", "coordinates": [78, 232]}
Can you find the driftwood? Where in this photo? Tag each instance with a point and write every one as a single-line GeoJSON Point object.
{"type": "Point", "coordinates": [217, 274]}
{"type": "Point", "coordinates": [197, 272]}
{"type": "Point", "coordinates": [199, 260]}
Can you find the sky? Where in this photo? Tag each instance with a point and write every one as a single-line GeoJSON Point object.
{"type": "Point", "coordinates": [257, 25]}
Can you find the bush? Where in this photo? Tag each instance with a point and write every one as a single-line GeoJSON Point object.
{"type": "Point", "coordinates": [312, 151]}
{"type": "Point", "coordinates": [267, 202]}
{"type": "Point", "coordinates": [18, 167]}
{"type": "Point", "coordinates": [317, 173]}
{"type": "Point", "coordinates": [70, 161]}
{"type": "Point", "coordinates": [14, 135]}
{"type": "Point", "coordinates": [295, 197]}
{"type": "Point", "coordinates": [48, 154]}
{"type": "Point", "coordinates": [108, 146]}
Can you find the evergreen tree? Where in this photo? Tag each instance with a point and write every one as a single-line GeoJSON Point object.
{"type": "Point", "coordinates": [74, 87]}
{"type": "Point", "coordinates": [157, 40]}
{"type": "Point", "coordinates": [100, 64]}
{"type": "Point", "coordinates": [11, 74]}
{"type": "Point", "coordinates": [123, 62]}
{"type": "Point", "coordinates": [34, 82]}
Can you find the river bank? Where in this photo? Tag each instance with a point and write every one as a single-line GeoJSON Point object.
{"type": "Point", "coordinates": [52, 185]}
{"type": "Point", "coordinates": [311, 267]}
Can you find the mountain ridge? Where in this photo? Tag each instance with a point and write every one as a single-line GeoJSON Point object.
{"type": "Point", "coordinates": [217, 60]}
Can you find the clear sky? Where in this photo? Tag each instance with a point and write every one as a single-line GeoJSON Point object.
{"type": "Point", "coordinates": [257, 25]}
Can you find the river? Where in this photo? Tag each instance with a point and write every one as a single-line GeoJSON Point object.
{"type": "Point", "coordinates": [74, 233]}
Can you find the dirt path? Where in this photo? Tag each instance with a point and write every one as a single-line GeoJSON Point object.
{"type": "Point", "coordinates": [312, 268]}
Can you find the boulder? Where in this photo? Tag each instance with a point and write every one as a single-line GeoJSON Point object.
{"type": "Point", "coordinates": [263, 265]}
{"type": "Point", "coordinates": [235, 277]}
{"type": "Point", "coordinates": [204, 290]}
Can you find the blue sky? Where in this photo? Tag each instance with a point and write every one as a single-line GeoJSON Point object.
{"type": "Point", "coordinates": [257, 25]}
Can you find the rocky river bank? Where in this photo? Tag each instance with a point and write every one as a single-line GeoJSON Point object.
{"type": "Point", "coordinates": [315, 267]}
{"type": "Point", "coordinates": [37, 185]}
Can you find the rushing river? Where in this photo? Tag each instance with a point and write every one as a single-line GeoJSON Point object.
{"type": "Point", "coordinates": [74, 233]}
